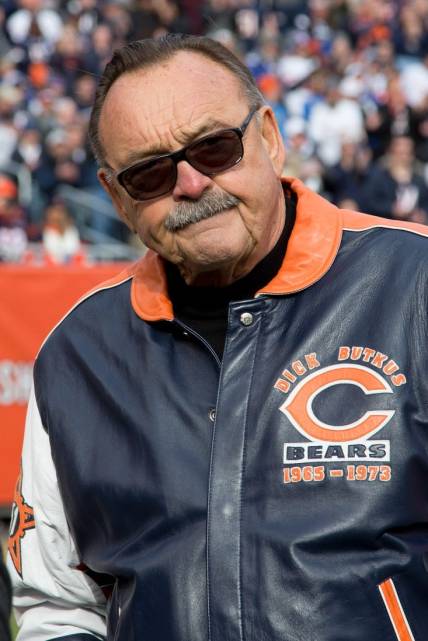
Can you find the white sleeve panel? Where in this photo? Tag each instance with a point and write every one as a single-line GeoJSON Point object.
{"type": "Point", "coordinates": [52, 598]}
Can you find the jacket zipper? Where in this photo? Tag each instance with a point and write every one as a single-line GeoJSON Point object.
{"type": "Point", "coordinates": [186, 328]}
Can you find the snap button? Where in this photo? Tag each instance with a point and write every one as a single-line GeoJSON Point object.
{"type": "Point", "coordinates": [246, 319]}
{"type": "Point", "coordinates": [211, 414]}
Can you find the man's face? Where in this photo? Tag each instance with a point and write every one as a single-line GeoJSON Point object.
{"type": "Point", "coordinates": [162, 109]}
{"type": "Point", "coordinates": [402, 150]}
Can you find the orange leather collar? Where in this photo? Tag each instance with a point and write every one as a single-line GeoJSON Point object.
{"type": "Point", "coordinates": [311, 250]}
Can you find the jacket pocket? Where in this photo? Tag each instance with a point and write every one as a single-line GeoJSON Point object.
{"type": "Point", "coordinates": [395, 611]}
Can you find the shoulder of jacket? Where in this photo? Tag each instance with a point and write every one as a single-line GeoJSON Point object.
{"type": "Point", "coordinates": [110, 284]}
{"type": "Point", "coordinates": [358, 222]}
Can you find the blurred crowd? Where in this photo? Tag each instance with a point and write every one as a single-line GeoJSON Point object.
{"type": "Point", "coordinates": [347, 79]}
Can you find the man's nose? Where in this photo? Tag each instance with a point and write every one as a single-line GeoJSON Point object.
{"type": "Point", "coordinates": [190, 182]}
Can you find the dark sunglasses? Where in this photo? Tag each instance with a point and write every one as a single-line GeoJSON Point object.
{"type": "Point", "coordinates": [210, 155]}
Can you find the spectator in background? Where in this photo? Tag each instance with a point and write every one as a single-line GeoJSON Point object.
{"type": "Point", "coordinates": [218, 14]}
{"type": "Point", "coordinates": [396, 190]}
{"type": "Point", "coordinates": [300, 158]}
{"type": "Point", "coordinates": [33, 29]}
{"type": "Point", "coordinates": [341, 55]}
{"type": "Point", "coordinates": [99, 49]}
{"type": "Point", "coordinates": [301, 100]}
{"type": "Point", "coordinates": [390, 119]}
{"type": "Point", "coordinates": [65, 112]}
{"type": "Point", "coordinates": [414, 82]}
{"type": "Point", "coordinates": [334, 120]}
{"type": "Point", "coordinates": [420, 132]}
{"type": "Point", "coordinates": [410, 38]}
{"type": "Point", "coordinates": [144, 20]}
{"type": "Point", "coordinates": [13, 237]}
{"type": "Point", "coordinates": [68, 59]}
{"type": "Point", "coordinates": [28, 150]}
{"type": "Point", "coordinates": [10, 73]}
{"type": "Point", "coordinates": [345, 182]}
{"type": "Point", "coordinates": [84, 93]}
{"type": "Point", "coordinates": [371, 21]}
{"type": "Point", "coordinates": [10, 100]}
{"type": "Point", "coordinates": [376, 69]}
{"type": "Point", "coordinates": [5, 44]}
{"type": "Point", "coordinates": [264, 59]}
{"type": "Point", "coordinates": [117, 16]}
{"type": "Point", "coordinates": [172, 20]}
{"type": "Point", "coordinates": [228, 39]}
{"type": "Point", "coordinates": [41, 110]}
{"type": "Point", "coordinates": [86, 15]}
{"type": "Point", "coordinates": [28, 155]}
{"type": "Point", "coordinates": [349, 70]}
{"type": "Point", "coordinates": [58, 165]}
{"type": "Point", "coordinates": [298, 61]}
{"type": "Point", "coordinates": [61, 241]}
{"type": "Point", "coordinates": [270, 86]}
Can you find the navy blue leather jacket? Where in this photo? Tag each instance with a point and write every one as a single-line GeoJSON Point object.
{"type": "Point", "coordinates": [281, 495]}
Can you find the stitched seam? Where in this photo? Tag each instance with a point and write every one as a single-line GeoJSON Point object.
{"type": "Point", "coordinates": [210, 485]}
{"type": "Point", "coordinates": [244, 451]}
{"type": "Point", "coordinates": [82, 300]}
{"type": "Point", "coordinates": [395, 228]}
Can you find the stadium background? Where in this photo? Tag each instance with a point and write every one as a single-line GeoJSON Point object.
{"type": "Point", "coordinates": [347, 79]}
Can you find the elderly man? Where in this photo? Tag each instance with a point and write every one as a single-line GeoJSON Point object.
{"type": "Point", "coordinates": [228, 442]}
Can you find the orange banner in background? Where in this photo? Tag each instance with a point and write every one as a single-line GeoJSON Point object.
{"type": "Point", "coordinates": [32, 301]}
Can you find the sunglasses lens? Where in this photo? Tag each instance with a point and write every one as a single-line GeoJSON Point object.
{"type": "Point", "coordinates": [214, 154]}
{"type": "Point", "coordinates": [149, 179]}
{"type": "Point", "coordinates": [211, 155]}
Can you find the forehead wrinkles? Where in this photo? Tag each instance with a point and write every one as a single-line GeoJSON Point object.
{"type": "Point", "coordinates": [166, 104]}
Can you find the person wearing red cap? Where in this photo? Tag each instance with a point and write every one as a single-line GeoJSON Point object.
{"type": "Point", "coordinates": [271, 88]}
{"type": "Point", "coordinates": [8, 189]}
{"type": "Point", "coordinates": [13, 236]}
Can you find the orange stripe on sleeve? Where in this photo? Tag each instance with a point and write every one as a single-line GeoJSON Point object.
{"type": "Point", "coordinates": [395, 611]}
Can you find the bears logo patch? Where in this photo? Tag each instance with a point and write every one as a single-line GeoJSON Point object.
{"type": "Point", "coordinates": [327, 445]}
{"type": "Point", "coordinates": [22, 520]}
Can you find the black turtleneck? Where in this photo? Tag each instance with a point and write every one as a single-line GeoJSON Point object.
{"type": "Point", "coordinates": [205, 309]}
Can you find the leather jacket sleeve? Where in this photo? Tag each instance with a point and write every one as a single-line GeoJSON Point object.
{"type": "Point", "coordinates": [42, 558]}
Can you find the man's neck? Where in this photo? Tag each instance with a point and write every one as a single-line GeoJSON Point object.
{"type": "Point", "coordinates": [205, 309]}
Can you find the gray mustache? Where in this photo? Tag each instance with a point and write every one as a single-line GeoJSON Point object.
{"type": "Point", "coordinates": [208, 205]}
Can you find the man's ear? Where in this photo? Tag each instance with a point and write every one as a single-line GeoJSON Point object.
{"type": "Point", "coordinates": [272, 139]}
{"type": "Point", "coordinates": [104, 176]}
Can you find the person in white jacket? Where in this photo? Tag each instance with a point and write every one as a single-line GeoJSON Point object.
{"type": "Point", "coordinates": [61, 240]}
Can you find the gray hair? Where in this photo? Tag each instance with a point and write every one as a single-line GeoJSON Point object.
{"type": "Point", "coordinates": [150, 52]}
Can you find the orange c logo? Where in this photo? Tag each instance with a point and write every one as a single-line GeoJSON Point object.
{"type": "Point", "coordinates": [298, 406]}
